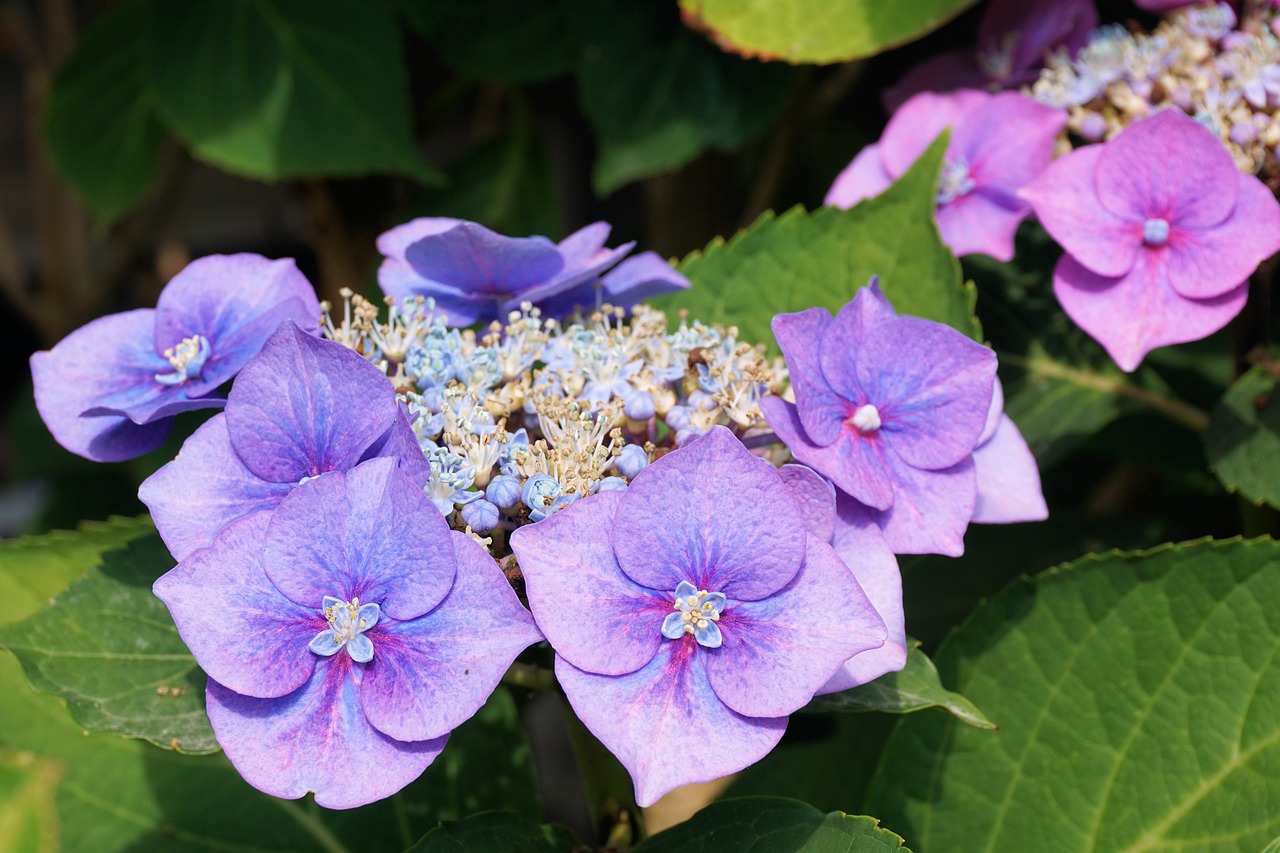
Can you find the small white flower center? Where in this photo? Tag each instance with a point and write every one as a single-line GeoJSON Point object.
{"type": "Point", "coordinates": [955, 180]}
{"type": "Point", "coordinates": [696, 612]}
{"type": "Point", "coordinates": [866, 419]}
{"type": "Point", "coordinates": [1155, 232]}
{"type": "Point", "coordinates": [187, 360]}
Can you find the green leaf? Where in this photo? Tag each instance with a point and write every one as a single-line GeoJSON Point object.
{"type": "Point", "coordinates": [276, 89]}
{"type": "Point", "coordinates": [914, 688]}
{"type": "Point", "coordinates": [28, 814]}
{"type": "Point", "coordinates": [818, 31]}
{"type": "Point", "coordinates": [1243, 441]}
{"type": "Point", "coordinates": [1137, 695]}
{"type": "Point", "coordinates": [101, 122]}
{"type": "Point", "coordinates": [35, 568]}
{"type": "Point", "coordinates": [657, 104]}
{"type": "Point", "coordinates": [109, 647]}
{"type": "Point", "coordinates": [776, 825]}
{"type": "Point", "coordinates": [798, 260]}
{"type": "Point", "coordinates": [494, 831]}
{"type": "Point", "coordinates": [1273, 847]}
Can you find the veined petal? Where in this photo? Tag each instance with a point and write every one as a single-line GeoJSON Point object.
{"type": "Point", "coordinates": [976, 223]}
{"type": "Point", "coordinates": [579, 594]}
{"type": "Point", "coordinates": [1209, 262]}
{"type": "Point", "coordinates": [395, 276]}
{"type": "Point", "coordinates": [472, 258]}
{"type": "Point", "coordinates": [1008, 479]}
{"type": "Point", "coordinates": [658, 717]}
{"type": "Point", "coordinates": [816, 497]}
{"type": "Point", "coordinates": [931, 509]}
{"type": "Point", "coordinates": [919, 121]}
{"type": "Point", "coordinates": [316, 739]}
{"type": "Point", "coordinates": [864, 177]}
{"type": "Point", "coordinates": [822, 410]}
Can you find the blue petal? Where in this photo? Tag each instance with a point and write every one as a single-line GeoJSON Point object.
{"type": "Point", "coordinates": [329, 601]}
{"type": "Point", "coordinates": [324, 643]}
{"type": "Point", "coordinates": [360, 648]}
{"type": "Point", "coordinates": [717, 601]}
{"type": "Point", "coordinates": [342, 618]}
{"type": "Point", "coordinates": [709, 636]}
{"type": "Point", "coordinates": [684, 589]}
{"type": "Point", "coordinates": [368, 616]}
{"type": "Point", "coordinates": [673, 626]}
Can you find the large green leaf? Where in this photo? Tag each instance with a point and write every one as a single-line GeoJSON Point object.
{"type": "Point", "coordinates": [496, 831]}
{"type": "Point", "coordinates": [109, 647]}
{"type": "Point", "coordinates": [776, 825]}
{"type": "Point", "coordinates": [284, 88]}
{"type": "Point", "coordinates": [28, 814]}
{"type": "Point", "coordinates": [1243, 441]}
{"type": "Point", "coordinates": [914, 688]}
{"type": "Point", "coordinates": [656, 104]}
{"type": "Point", "coordinates": [101, 121]}
{"type": "Point", "coordinates": [817, 30]}
{"type": "Point", "coordinates": [1138, 697]}
{"type": "Point", "coordinates": [798, 260]}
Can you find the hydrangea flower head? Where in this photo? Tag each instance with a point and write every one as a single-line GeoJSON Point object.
{"type": "Point", "coordinates": [1014, 38]}
{"type": "Point", "coordinates": [477, 275]}
{"type": "Point", "coordinates": [109, 390]}
{"type": "Point", "coordinates": [1157, 252]}
{"type": "Point", "coordinates": [692, 612]}
{"type": "Point", "coordinates": [998, 144]}
{"type": "Point", "coordinates": [344, 635]}
{"type": "Point", "coordinates": [302, 408]}
{"type": "Point", "coordinates": [900, 412]}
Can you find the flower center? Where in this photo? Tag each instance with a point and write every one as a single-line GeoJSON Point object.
{"type": "Point", "coordinates": [1155, 232]}
{"type": "Point", "coordinates": [955, 180]}
{"type": "Point", "coordinates": [866, 419]}
{"type": "Point", "coordinates": [696, 612]}
{"type": "Point", "coordinates": [348, 620]}
{"type": "Point", "coordinates": [187, 359]}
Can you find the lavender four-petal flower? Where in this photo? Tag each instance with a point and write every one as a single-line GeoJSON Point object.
{"type": "Point", "coordinates": [477, 275]}
{"type": "Point", "coordinates": [1161, 233]}
{"type": "Point", "coordinates": [303, 407]}
{"type": "Point", "coordinates": [999, 143]}
{"type": "Point", "coordinates": [903, 415]}
{"type": "Point", "coordinates": [109, 390]}
{"type": "Point", "coordinates": [692, 612]}
{"type": "Point", "coordinates": [345, 635]}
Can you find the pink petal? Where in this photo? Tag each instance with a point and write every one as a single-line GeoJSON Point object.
{"type": "Point", "coordinates": [956, 69]}
{"type": "Point", "coordinates": [975, 224]}
{"type": "Point", "coordinates": [1133, 314]}
{"type": "Point", "coordinates": [1008, 479]}
{"type": "Point", "coordinates": [1008, 140]}
{"type": "Point", "coordinates": [1209, 262]}
{"type": "Point", "coordinates": [919, 121]}
{"type": "Point", "coordinates": [863, 178]}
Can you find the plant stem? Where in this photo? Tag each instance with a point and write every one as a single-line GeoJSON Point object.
{"type": "Point", "coordinates": [1176, 410]}
{"type": "Point", "coordinates": [311, 822]}
{"type": "Point", "coordinates": [530, 677]}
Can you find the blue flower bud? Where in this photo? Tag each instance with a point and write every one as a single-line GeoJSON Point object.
{"type": "Point", "coordinates": [639, 406]}
{"type": "Point", "coordinates": [678, 417]}
{"type": "Point", "coordinates": [503, 491]}
{"type": "Point", "coordinates": [609, 484]}
{"type": "Point", "coordinates": [631, 461]}
{"type": "Point", "coordinates": [539, 491]}
{"type": "Point", "coordinates": [480, 515]}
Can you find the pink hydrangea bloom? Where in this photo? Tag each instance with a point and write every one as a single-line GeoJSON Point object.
{"type": "Point", "coordinates": [1161, 233]}
{"type": "Point", "coordinates": [998, 144]}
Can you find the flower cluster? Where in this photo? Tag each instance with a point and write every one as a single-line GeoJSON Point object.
{"type": "Point", "coordinates": [1223, 72]}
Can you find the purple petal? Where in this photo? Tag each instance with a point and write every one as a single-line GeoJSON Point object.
{"type": "Point", "coordinates": [816, 497]}
{"type": "Point", "coordinates": [205, 488]}
{"type": "Point", "coordinates": [641, 277]}
{"type": "Point", "coordinates": [656, 718]}
{"type": "Point", "coordinates": [822, 410]}
{"type": "Point", "coordinates": [305, 406]}
{"type": "Point", "coordinates": [401, 443]}
{"type": "Point", "coordinates": [472, 258]}
{"type": "Point", "coordinates": [712, 514]}
{"type": "Point", "coordinates": [570, 569]}
{"type": "Point", "coordinates": [853, 462]}
{"type": "Point", "coordinates": [919, 121]}
{"type": "Point", "coordinates": [1133, 314]}
{"type": "Point", "coordinates": [1065, 200]}
{"type": "Point", "coordinates": [316, 739]}
{"type": "Point", "coordinates": [994, 413]}
{"type": "Point", "coordinates": [777, 651]}
{"type": "Point", "coordinates": [864, 177]}
{"type": "Point", "coordinates": [1209, 262]}
{"type": "Point", "coordinates": [587, 242]}
{"type": "Point", "coordinates": [1039, 26]}
{"type": "Point", "coordinates": [236, 302]}
{"type": "Point", "coordinates": [371, 533]}
{"type": "Point", "coordinates": [1008, 479]}
{"type": "Point", "coordinates": [863, 549]}
{"type": "Point", "coordinates": [1144, 173]}
{"type": "Point", "coordinates": [109, 362]}
{"type": "Point", "coordinates": [242, 631]}
{"type": "Point", "coordinates": [976, 224]}
{"type": "Point", "coordinates": [395, 276]}
{"type": "Point", "coordinates": [1007, 141]}
{"type": "Point", "coordinates": [931, 510]}
{"type": "Point", "coordinates": [956, 69]}
{"type": "Point", "coordinates": [430, 674]}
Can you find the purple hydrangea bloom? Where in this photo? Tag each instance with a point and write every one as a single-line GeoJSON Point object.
{"type": "Point", "coordinates": [1014, 37]}
{"type": "Point", "coordinates": [1157, 252]}
{"type": "Point", "coordinates": [109, 390]}
{"type": "Point", "coordinates": [303, 407]}
{"type": "Point", "coordinates": [903, 415]}
{"type": "Point", "coordinates": [344, 635]}
{"type": "Point", "coordinates": [999, 143]}
{"type": "Point", "coordinates": [476, 275]}
{"type": "Point", "coordinates": [722, 613]}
